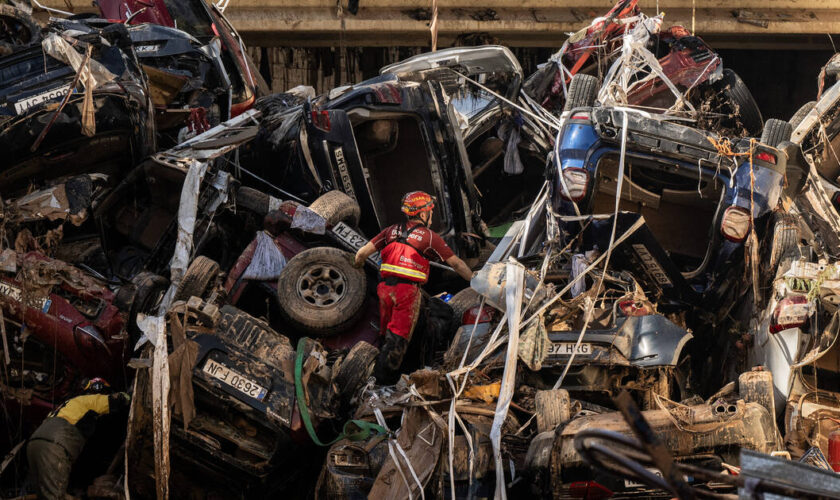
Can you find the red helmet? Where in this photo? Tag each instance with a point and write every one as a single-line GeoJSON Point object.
{"type": "Point", "coordinates": [417, 201]}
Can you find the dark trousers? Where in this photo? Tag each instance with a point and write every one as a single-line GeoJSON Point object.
{"type": "Point", "coordinates": [51, 451]}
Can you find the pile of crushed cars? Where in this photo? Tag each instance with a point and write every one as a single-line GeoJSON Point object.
{"type": "Point", "coordinates": [654, 313]}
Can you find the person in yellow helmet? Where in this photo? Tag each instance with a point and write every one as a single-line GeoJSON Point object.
{"type": "Point", "coordinates": [59, 440]}
{"type": "Point", "coordinates": [406, 251]}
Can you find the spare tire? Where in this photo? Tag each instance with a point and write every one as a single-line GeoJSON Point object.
{"type": "Point", "coordinates": [320, 293]}
{"type": "Point", "coordinates": [583, 90]}
{"type": "Point", "coordinates": [742, 101]}
{"type": "Point", "coordinates": [17, 28]}
{"type": "Point", "coordinates": [149, 290]}
{"type": "Point", "coordinates": [252, 199]}
{"type": "Point", "coordinates": [461, 302]}
{"type": "Point", "coordinates": [335, 207]}
{"type": "Point", "coordinates": [775, 132]}
{"type": "Point", "coordinates": [198, 279]}
{"type": "Point", "coordinates": [354, 370]}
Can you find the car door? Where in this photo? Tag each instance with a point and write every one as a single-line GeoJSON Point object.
{"type": "Point", "coordinates": [335, 157]}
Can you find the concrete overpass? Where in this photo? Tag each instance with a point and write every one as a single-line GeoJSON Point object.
{"type": "Point", "coordinates": [745, 24]}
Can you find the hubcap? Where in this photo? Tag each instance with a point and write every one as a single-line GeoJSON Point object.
{"type": "Point", "coordinates": [322, 285]}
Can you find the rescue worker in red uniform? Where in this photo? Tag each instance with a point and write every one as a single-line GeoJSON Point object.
{"type": "Point", "coordinates": [406, 250]}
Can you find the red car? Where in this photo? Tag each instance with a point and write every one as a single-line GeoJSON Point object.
{"type": "Point", "coordinates": [685, 59]}
{"type": "Point", "coordinates": [63, 325]}
{"type": "Point", "coordinates": [204, 22]}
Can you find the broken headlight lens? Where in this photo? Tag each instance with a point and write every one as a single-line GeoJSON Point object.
{"type": "Point", "coordinates": [736, 223]}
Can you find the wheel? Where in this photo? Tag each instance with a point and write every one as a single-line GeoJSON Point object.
{"type": "Point", "coordinates": [320, 292]}
{"type": "Point", "coordinates": [197, 280]}
{"type": "Point", "coordinates": [801, 113]}
{"type": "Point", "coordinates": [461, 302]}
{"type": "Point", "coordinates": [335, 207]}
{"type": "Point", "coordinates": [583, 90]}
{"type": "Point", "coordinates": [252, 199]}
{"type": "Point", "coordinates": [149, 290]}
{"type": "Point", "coordinates": [775, 132]}
{"type": "Point", "coordinates": [552, 408]}
{"type": "Point", "coordinates": [741, 100]}
{"type": "Point", "coordinates": [354, 370]}
{"type": "Point", "coordinates": [17, 28]}
{"type": "Point", "coordinates": [785, 242]}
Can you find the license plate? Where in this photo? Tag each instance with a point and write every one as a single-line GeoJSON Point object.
{"type": "Point", "coordinates": [15, 293]}
{"type": "Point", "coordinates": [353, 240]}
{"type": "Point", "coordinates": [234, 379]}
{"type": "Point", "coordinates": [629, 483]}
{"type": "Point", "coordinates": [567, 348]}
{"type": "Point", "coordinates": [24, 105]}
{"type": "Point", "coordinates": [145, 48]}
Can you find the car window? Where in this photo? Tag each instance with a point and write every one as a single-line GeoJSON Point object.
{"type": "Point", "coordinates": [190, 16]}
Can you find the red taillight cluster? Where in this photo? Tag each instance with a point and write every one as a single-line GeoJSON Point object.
{"type": "Point", "coordinates": [765, 156]}
{"type": "Point", "coordinates": [576, 183]}
{"type": "Point", "coordinates": [580, 116]}
{"type": "Point", "coordinates": [791, 312]}
{"type": "Point", "coordinates": [735, 225]}
{"type": "Point", "coordinates": [634, 308]}
{"type": "Point", "coordinates": [321, 120]}
{"type": "Point", "coordinates": [589, 490]}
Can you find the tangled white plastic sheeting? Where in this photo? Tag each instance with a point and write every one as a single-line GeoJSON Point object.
{"type": "Point", "coordinates": [620, 79]}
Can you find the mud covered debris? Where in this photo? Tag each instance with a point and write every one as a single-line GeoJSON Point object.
{"type": "Point", "coordinates": [653, 310]}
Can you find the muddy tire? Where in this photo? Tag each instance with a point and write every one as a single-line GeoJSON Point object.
{"type": "Point", "coordinates": [775, 132]}
{"type": "Point", "coordinates": [801, 113]}
{"type": "Point", "coordinates": [253, 200]}
{"type": "Point", "coordinates": [552, 408]}
{"type": "Point", "coordinates": [198, 279]}
{"type": "Point", "coordinates": [335, 207]}
{"type": "Point", "coordinates": [354, 370]}
{"type": "Point", "coordinates": [785, 242]}
{"type": "Point", "coordinates": [17, 29]}
{"type": "Point", "coordinates": [461, 302]}
{"type": "Point", "coordinates": [757, 387]}
{"type": "Point", "coordinates": [742, 101]}
{"type": "Point", "coordinates": [320, 293]}
{"type": "Point", "coordinates": [583, 90]}
{"type": "Point", "coordinates": [149, 290]}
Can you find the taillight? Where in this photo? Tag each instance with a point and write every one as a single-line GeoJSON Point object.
{"type": "Point", "coordinates": [634, 308]}
{"type": "Point", "coordinates": [790, 312]}
{"type": "Point", "coordinates": [470, 315]}
{"type": "Point", "coordinates": [580, 116]}
{"type": "Point", "coordinates": [765, 156]}
{"type": "Point", "coordinates": [321, 120]}
{"type": "Point", "coordinates": [577, 181]}
{"type": "Point", "coordinates": [735, 225]}
{"type": "Point", "coordinates": [589, 490]}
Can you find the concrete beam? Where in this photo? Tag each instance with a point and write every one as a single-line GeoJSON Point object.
{"type": "Point", "coordinates": [521, 23]}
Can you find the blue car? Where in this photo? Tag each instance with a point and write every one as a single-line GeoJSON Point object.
{"type": "Point", "coordinates": [700, 194]}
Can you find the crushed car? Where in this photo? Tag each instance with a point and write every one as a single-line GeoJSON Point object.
{"type": "Point", "coordinates": [671, 69]}
{"type": "Point", "coordinates": [76, 103]}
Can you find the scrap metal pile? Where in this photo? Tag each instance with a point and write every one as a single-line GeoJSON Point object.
{"type": "Point", "coordinates": [655, 310]}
